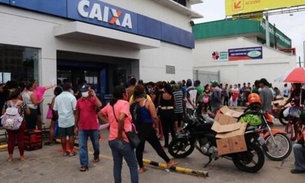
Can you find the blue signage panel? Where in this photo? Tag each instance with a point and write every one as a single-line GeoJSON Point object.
{"type": "Point", "coordinates": [102, 14]}
{"type": "Point", "coordinates": [248, 53]}
{"type": "Point", "coordinates": [170, 34]}
{"type": "Point", "coordinates": [5, 1]}
{"type": "Point", "coordinates": [106, 15]}
{"type": "Point", "coordinates": [186, 39]}
{"type": "Point", "coordinates": [149, 27]}
{"type": "Point", "coordinates": [54, 7]}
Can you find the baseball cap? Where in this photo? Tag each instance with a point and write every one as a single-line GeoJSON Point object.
{"type": "Point", "coordinates": [84, 88]}
{"type": "Point", "coordinates": [214, 82]}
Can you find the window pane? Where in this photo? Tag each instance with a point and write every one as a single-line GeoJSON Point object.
{"type": "Point", "coordinates": [17, 63]}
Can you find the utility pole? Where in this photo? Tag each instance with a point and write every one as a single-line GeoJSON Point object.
{"type": "Point", "coordinates": [275, 37]}
{"type": "Point", "coordinates": [267, 30]}
{"type": "Point", "coordinates": [303, 53]}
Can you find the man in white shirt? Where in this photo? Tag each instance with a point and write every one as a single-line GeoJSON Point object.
{"type": "Point", "coordinates": [65, 107]}
{"type": "Point", "coordinates": [286, 90]}
{"type": "Point", "coordinates": [190, 98]}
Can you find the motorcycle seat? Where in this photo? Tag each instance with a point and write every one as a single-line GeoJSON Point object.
{"type": "Point", "coordinates": [249, 128]}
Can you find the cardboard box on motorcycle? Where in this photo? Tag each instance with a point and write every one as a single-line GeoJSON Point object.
{"type": "Point", "coordinates": [230, 133]}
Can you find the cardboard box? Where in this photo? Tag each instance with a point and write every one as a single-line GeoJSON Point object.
{"type": "Point", "coordinates": [224, 119]}
{"type": "Point", "coordinates": [230, 135]}
{"type": "Point", "coordinates": [232, 113]}
{"type": "Point", "coordinates": [278, 103]}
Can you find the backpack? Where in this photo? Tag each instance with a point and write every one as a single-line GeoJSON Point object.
{"type": "Point", "coordinates": [11, 119]}
{"type": "Point", "coordinates": [134, 111]}
{"type": "Point", "coordinates": [205, 99]}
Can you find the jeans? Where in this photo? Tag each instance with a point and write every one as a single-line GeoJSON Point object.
{"type": "Point", "coordinates": [83, 149]}
{"type": "Point", "coordinates": [120, 149]}
{"type": "Point", "coordinates": [299, 155]}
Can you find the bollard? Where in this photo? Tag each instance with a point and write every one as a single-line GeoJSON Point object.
{"type": "Point", "coordinates": [177, 169]}
{"type": "Point", "coordinates": [3, 146]}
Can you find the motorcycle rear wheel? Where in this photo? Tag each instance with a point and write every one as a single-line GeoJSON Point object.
{"type": "Point", "coordinates": [243, 160]}
{"type": "Point", "coordinates": [181, 148]}
{"type": "Point", "coordinates": [279, 151]}
{"type": "Point", "coordinates": [283, 120]}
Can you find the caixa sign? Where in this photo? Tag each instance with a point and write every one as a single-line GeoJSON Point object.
{"type": "Point", "coordinates": [100, 13]}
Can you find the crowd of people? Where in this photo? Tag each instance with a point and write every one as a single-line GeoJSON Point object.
{"type": "Point", "coordinates": [163, 106]}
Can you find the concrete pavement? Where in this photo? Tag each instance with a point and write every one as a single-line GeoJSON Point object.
{"type": "Point", "coordinates": [49, 166]}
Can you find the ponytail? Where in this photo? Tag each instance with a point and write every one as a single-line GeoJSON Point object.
{"type": "Point", "coordinates": [118, 93]}
{"type": "Point", "coordinates": [113, 101]}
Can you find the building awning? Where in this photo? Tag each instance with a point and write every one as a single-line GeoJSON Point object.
{"type": "Point", "coordinates": [195, 2]}
{"type": "Point", "coordinates": [92, 33]}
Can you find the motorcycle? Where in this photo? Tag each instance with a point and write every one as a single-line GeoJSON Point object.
{"type": "Point", "coordinates": [197, 133]}
{"type": "Point", "coordinates": [278, 144]}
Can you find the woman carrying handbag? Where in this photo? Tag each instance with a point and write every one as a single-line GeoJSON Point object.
{"type": "Point", "coordinates": [117, 114]}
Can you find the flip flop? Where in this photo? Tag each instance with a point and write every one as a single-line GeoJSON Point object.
{"type": "Point", "coordinates": [73, 153]}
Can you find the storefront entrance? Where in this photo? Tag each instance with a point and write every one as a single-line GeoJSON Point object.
{"type": "Point", "coordinates": [100, 72]}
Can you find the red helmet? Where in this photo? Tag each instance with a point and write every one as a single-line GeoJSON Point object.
{"type": "Point", "coordinates": [254, 98]}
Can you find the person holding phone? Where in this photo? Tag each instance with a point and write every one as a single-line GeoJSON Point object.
{"type": "Point", "coordinates": [87, 124]}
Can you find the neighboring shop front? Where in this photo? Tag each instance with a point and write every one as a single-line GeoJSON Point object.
{"type": "Point", "coordinates": [236, 51]}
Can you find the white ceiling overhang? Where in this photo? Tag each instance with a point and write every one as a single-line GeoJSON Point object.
{"type": "Point", "coordinates": [97, 34]}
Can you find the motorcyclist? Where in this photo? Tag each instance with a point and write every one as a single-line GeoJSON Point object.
{"type": "Point", "coordinates": [296, 99]}
{"type": "Point", "coordinates": [295, 96]}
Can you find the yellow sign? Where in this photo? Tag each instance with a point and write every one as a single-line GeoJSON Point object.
{"type": "Point", "coordinates": [234, 7]}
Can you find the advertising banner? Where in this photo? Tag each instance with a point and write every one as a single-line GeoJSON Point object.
{"type": "Point", "coordinates": [220, 56]}
{"type": "Point", "coordinates": [248, 53]}
{"type": "Point", "coordinates": [234, 7]}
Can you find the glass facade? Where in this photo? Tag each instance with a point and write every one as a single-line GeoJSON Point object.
{"type": "Point", "coordinates": [18, 63]}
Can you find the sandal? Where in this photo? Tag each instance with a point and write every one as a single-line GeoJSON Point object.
{"type": "Point", "coordinates": [22, 158]}
{"type": "Point", "coordinates": [96, 160]}
{"type": "Point", "coordinates": [142, 170]}
{"type": "Point", "coordinates": [65, 153]}
{"type": "Point", "coordinates": [171, 163]}
{"type": "Point", "coordinates": [84, 168]}
{"type": "Point", "coordinates": [73, 153]}
{"type": "Point", "coordinates": [9, 159]}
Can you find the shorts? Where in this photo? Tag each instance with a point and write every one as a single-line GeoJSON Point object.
{"type": "Point", "coordinates": [178, 117]}
{"type": "Point", "coordinates": [63, 132]}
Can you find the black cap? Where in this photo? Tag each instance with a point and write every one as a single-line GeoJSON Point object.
{"type": "Point", "coordinates": [84, 88]}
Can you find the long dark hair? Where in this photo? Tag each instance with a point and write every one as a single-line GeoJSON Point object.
{"type": "Point", "coordinates": [139, 91]}
{"type": "Point", "coordinates": [29, 84]}
{"type": "Point", "coordinates": [118, 93]}
{"type": "Point", "coordinates": [168, 89]}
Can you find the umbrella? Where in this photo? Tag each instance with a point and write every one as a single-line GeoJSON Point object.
{"type": "Point", "coordinates": [295, 75]}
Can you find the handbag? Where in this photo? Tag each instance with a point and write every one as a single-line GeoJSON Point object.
{"type": "Point", "coordinates": [49, 114]}
{"type": "Point", "coordinates": [132, 135]}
